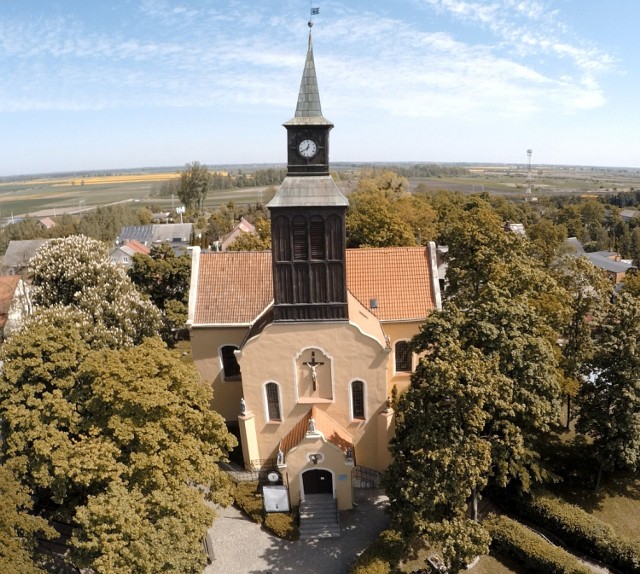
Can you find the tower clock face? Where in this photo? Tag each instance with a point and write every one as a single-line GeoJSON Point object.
{"type": "Point", "coordinates": [307, 148]}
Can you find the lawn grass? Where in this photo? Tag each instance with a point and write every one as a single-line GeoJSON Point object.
{"type": "Point", "coordinates": [496, 565]}
{"type": "Point", "coordinates": [617, 502]}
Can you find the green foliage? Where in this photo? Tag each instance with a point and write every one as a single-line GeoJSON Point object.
{"type": "Point", "coordinates": [249, 500]}
{"type": "Point", "coordinates": [146, 531]}
{"type": "Point", "coordinates": [118, 438]}
{"type": "Point", "coordinates": [18, 528]}
{"type": "Point", "coordinates": [631, 283]}
{"type": "Point", "coordinates": [486, 390]}
{"type": "Point", "coordinates": [610, 399]}
{"type": "Point", "coordinates": [165, 277]}
{"type": "Point", "coordinates": [283, 525]}
{"type": "Point", "coordinates": [195, 182]}
{"type": "Point", "coordinates": [77, 272]}
{"type": "Point", "coordinates": [547, 240]}
{"type": "Point", "coordinates": [581, 530]}
{"type": "Point", "coordinates": [513, 540]}
{"type": "Point", "coordinates": [382, 555]}
{"type": "Point", "coordinates": [258, 241]}
{"type": "Point", "coordinates": [590, 295]}
{"type": "Point", "coordinates": [462, 540]}
{"type": "Point", "coordinates": [379, 213]}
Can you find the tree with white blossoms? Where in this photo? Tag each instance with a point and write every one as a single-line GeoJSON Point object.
{"type": "Point", "coordinates": [77, 271]}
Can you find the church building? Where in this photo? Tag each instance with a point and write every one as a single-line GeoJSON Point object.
{"type": "Point", "coordinates": [304, 344]}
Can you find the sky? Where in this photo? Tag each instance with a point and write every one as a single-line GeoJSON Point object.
{"type": "Point", "coordinates": [101, 85]}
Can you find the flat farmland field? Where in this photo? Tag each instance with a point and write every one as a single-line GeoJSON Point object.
{"type": "Point", "coordinates": [74, 194]}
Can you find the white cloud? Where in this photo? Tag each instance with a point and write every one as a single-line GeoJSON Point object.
{"type": "Point", "coordinates": [245, 54]}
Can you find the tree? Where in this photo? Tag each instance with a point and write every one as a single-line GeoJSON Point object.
{"type": "Point", "coordinates": [374, 221]}
{"type": "Point", "coordinates": [590, 295]}
{"type": "Point", "coordinates": [487, 388]}
{"type": "Point", "coordinates": [77, 271]}
{"type": "Point", "coordinates": [165, 277]}
{"type": "Point", "coordinates": [548, 240]}
{"type": "Point", "coordinates": [610, 398]}
{"type": "Point", "coordinates": [18, 528]}
{"type": "Point", "coordinates": [130, 428]}
{"type": "Point", "coordinates": [195, 182]}
{"type": "Point", "coordinates": [258, 241]}
{"type": "Point", "coordinates": [440, 457]}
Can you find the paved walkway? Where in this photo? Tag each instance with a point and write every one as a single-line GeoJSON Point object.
{"type": "Point", "coordinates": [242, 547]}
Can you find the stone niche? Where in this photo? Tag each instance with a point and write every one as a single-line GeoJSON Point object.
{"type": "Point", "coordinates": [314, 376]}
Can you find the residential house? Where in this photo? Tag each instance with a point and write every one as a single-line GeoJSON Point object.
{"type": "Point", "coordinates": [18, 254]}
{"type": "Point", "coordinates": [178, 235]}
{"type": "Point", "coordinates": [45, 223]}
{"type": "Point", "coordinates": [123, 254]}
{"type": "Point", "coordinates": [240, 228]}
{"type": "Point", "coordinates": [14, 304]}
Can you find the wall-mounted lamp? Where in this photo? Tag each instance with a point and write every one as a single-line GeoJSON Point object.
{"type": "Point", "coordinates": [314, 458]}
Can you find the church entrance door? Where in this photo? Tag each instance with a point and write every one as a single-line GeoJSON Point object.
{"type": "Point", "coordinates": [317, 481]}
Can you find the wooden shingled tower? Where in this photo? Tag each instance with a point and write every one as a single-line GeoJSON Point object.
{"type": "Point", "coordinates": [308, 218]}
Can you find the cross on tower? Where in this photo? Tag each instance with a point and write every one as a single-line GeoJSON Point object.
{"type": "Point", "coordinates": [313, 364]}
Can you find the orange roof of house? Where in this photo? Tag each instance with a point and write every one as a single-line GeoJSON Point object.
{"type": "Point", "coordinates": [8, 284]}
{"type": "Point", "coordinates": [236, 287]}
{"type": "Point", "coordinates": [137, 246]}
{"type": "Point", "coordinates": [331, 430]}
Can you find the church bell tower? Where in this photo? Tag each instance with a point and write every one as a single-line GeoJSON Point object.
{"type": "Point", "coordinates": [308, 218]}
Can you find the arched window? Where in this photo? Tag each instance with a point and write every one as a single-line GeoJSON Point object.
{"type": "Point", "coordinates": [357, 400]}
{"type": "Point", "coordinates": [230, 366]}
{"type": "Point", "coordinates": [272, 395]}
{"type": "Point", "coordinates": [403, 357]}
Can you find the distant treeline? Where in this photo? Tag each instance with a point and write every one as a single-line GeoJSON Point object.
{"type": "Point", "coordinates": [221, 181]}
{"type": "Point", "coordinates": [428, 170]}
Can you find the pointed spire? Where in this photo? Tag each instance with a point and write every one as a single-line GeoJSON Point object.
{"type": "Point", "coordinates": [309, 96]}
{"type": "Point", "coordinates": [308, 109]}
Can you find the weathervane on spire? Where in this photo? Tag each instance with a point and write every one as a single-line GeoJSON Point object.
{"type": "Point", "coordinates": [314, 12]}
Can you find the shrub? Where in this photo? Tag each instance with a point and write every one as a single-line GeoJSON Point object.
{"type": "Point", "coordinates": [514, 540]}
{"type": "Point", "coordinates": [382, 555]}
{"type": "Point", "coordinates": [283, 525]}
{"type": "Point", "coordinates": [581, 530]}
{"type": "Point", "coordinates": [248, 499]}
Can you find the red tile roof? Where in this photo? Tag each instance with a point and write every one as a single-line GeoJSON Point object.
{"type": "Point", "coordinates": [331, 430]}
{"type": "Point", "coordinates": [137, 246]}
{"type": "Point", "coordinates": [398, 278]}
{"type": "Point", "coordinates": [236, 287]}
{"type": "Point", "coordinates": [8, 284]}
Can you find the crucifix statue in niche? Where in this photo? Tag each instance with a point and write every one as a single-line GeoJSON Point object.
{"type": "Point", "coordinates": [313, 365]}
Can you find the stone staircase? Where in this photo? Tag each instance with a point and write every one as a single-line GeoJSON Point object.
{"type": "Point", "coordinates": [319, 517]}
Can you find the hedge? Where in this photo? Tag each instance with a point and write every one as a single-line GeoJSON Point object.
{"type": "Point", "coordinates": [382, 555]}
{"type": "Point", "coordinates": [582, 531]}
{"type": "Point", "coordinates": [248, 498]}
{"type": "Point", "coordinates": [513, 540]}
{"type": "Point", "coordinates": [283, 525]}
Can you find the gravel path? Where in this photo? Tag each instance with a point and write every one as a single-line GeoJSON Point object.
{"type": "Point", "coordinates": [242, 547]}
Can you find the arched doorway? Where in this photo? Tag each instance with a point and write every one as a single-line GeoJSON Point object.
{"type": "Point", "coordinates": [317, 481]}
